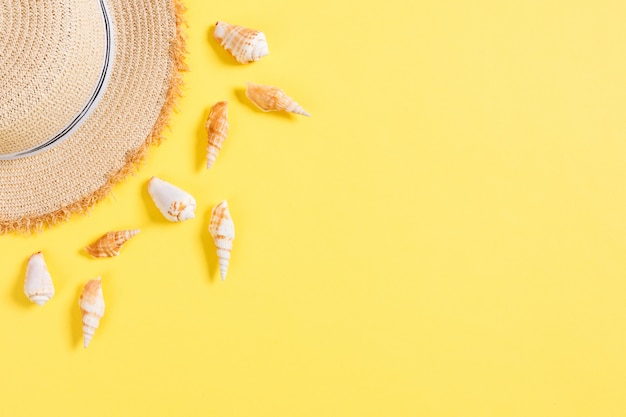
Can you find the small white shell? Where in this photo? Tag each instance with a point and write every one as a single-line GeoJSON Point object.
{"type": "Point", "coordinates": [270, 98]}
{"type": "Point", "coordinates": [245, 44]}
{"type": "Point", "coordinates": [38, 285]}
{"type": "Point", "coordinates": [110, 243]}
{"type": "Point", "coordinates": [175, 204]}
{"type": "Point", "coordinates": [217, 129]}
{"type": "Point", "coordinates": [91, 305]}
{"type": "Point", "coordinates": [222, 230]}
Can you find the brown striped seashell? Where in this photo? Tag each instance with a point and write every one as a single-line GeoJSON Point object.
{"type": "Point", "coordinates": [38, 285]}
{"type": "Point", "coordinates": [269, 98]}
{"type": "Point", "coordinates": [222, 230]}
{"type": "Point", "coordinates": [110, 243]}
{"type": "Point", "coordinates": [217, 129]}
{"type": "Point", "coordinates": [246, 45]}
{"type": "Point", "coordinates": [91, 305]}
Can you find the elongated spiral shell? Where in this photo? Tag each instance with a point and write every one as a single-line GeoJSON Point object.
{"type": "Point", "coordinates": [175, 204]}
{"type": "Point", "coordinates": [222, 230]}
{"type": "Point", "coordinates": [91, 305]}
{"type": "Point", "coordinates": [245, 44]}
{"type": "Point", "coordinates": [270, 98]}
{"type": "Point", "coordinates": [217, 129]}
{"type": "Point", "coordinates": [38, 285]}
{"type": "Point", "coordinates": [110, 243]}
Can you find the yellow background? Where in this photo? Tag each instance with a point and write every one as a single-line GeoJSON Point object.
{"type": "Point", "coordinates": [445, 236]}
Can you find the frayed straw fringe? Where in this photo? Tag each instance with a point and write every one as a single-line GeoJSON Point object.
{"type": "Point", "coordinates": [134, 158]}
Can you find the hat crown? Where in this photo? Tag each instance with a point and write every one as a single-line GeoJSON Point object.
{"type": "Point", "coordinates": [54, 58]}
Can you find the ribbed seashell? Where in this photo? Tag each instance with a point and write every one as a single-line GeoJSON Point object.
{"type": "Point", "coordinates": [91, 304]}
{"type": "Point", "coordinates": [38, 285]}
{"type": "Point", "coordinates": [175, 204]}
{"type": "Point", "coordinates": [222, 230]}
{"type": "Point", "coordinates": [216, 128]}
{"type": "Point", "coordinates": [270, 98]}
{"type": "Point", "coordinates": [110, 243]}
{"type": "Point", "coordinates": [246, 45]}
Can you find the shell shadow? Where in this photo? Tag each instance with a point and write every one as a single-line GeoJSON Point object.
{"type": "Point", "coordinates": [83, 253]}
{"type": "Point", "coordinates": [153, 212]}
{"type": "Point", "coordinates": [210, 252]}
{"type": "Point", "coordinates": [18, 289]}
{"type": "Point", "coordinates": [240, 93]}
{"type": "Point", "coordinates": [223, 55]}
{"type": "Point", "coordinates": [76, 321]}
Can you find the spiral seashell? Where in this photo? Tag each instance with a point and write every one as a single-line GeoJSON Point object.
{"type": "Point", "coordinates": [175, 204]}
{"type": "Point", "coordinates": [91, 305]}
{"type": "Point", "coordinates": [222, 230]}
{"type": "Point", "coordinates": [269, 98]}
{"type": "Point", "coordinates": [246, 45]}
{"type": "Point", "coordinates": [110, 243]}
{"type": "Point", "coordinates": [217, 128]}
{"type": "Point", "coordinates": [38, 285]}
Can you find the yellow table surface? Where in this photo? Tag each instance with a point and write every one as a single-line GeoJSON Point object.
{"type": "Point", "coordinates": [445, 236]}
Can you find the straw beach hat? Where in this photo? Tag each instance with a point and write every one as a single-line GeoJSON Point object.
{"type": "Point", "coordinates": [86, 86]}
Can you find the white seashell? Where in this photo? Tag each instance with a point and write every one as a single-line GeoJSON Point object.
{"type": "Point", "coordinates": [91, 305]}
{"type": "Point", "coordinates": [38, 285]}
{"type": "Point", "coordinates": [110, 243]}
{"type": "Point", "coordinates": [270, 98]}
{"type": "Point", "coordinates": [217, 129]}
{"type": "Point", "coordinates": [175, 204]}
{"type": "Point", "coordinates": [246, 45]}
{"type": "Point", "coordinates": [222, 230]}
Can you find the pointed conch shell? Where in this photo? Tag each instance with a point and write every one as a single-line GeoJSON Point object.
{"type": "Point", "coordinates": [175, 204]}
{"type": "Point", "coordinates": [222, 230]}
{"type": "Point", "coordinates": [38, 285]}
{"type": "Point", "coordinates": [91, 304]}
{"type": "Point", "coordinates": [216, 128]}
{"type": "Point", "coordinates": [269, 98]}
{"type": "Point", "coordinates": [110, 243]}
{"type": "Point", "coordinates": [246, 45]}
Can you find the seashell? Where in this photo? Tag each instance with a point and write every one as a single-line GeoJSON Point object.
{"type": "Point", "coordinates": [91, 304]}
{"type": "Point", "coordinates": [175, 204]}
{"type": "Point", "coordinates": [246, 45]}
{"type": "Point", "coordinates": [222, 230]}
{"type": "Point", "coordinates": [110, 244]}
{"type": "Point", "coordinates": [269, 98]}
{"type": "Point", "coordinates": [38, 285]}
{"type": "Point", "coordinates": [216, 128]}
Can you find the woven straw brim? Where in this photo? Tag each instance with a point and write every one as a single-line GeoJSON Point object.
{"type": "Point", "coordinates": [143, 88]}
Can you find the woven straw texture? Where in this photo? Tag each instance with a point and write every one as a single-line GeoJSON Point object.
{"type": "Point", "coordinates": [40, 58]}
{"type": "Point", "coordinates": [50, 59]}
